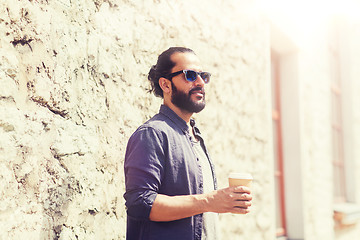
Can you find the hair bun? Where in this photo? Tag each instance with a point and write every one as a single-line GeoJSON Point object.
{"type": "Point", "coordinates": [152, 73]}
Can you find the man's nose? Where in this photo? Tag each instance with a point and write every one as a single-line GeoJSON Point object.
{"type": "Point", "coordinates": [199, 81]}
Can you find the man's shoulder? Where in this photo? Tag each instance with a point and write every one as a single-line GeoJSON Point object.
{"type": "Point", "coordinates": [159, 122]}
{"type": "Point", "coordinates": [157, 127]}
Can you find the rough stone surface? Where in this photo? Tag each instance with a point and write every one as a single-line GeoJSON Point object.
{"type": "Point", "coordinates": [73, 88]}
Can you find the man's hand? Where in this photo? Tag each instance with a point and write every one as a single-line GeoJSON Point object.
{"type": "Point", "coordinates": [231, 199]}
{"type": "Point", "coordinates": [226, 200]}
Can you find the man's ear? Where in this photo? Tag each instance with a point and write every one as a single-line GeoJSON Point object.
{"type": "Point", "coordinates": [165, 85]}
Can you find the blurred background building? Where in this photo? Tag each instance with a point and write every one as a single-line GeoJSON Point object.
{"type": "Point", "coordinates": [315, 84]}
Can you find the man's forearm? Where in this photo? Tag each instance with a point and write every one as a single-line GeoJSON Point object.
{"type": "Point", "coordinates": [232, 200]}
{"type": "Point", "coordinates": [168, 208]}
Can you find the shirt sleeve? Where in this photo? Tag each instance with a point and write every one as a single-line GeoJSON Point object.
{"type": "Point", "coordinates": [144, 167]}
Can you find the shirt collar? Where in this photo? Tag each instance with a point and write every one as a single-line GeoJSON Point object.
{"type": "Point", "coordinates": [175, 118]}
{"type": "Point", "coordinates": [195, 128]}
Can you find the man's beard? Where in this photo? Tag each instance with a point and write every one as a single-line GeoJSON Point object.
{"type": "Point", "coordinates": [183, 100]}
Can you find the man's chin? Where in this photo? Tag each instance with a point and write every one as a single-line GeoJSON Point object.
{"type": "Point", "coordinates": [192, 103]}
{"type": "Point", "coordinates": [199, 107]}
{"type": "Point", "coordinates": [192, 108]}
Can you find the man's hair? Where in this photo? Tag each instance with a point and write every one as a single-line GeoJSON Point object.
{"type": "Point", "coordinates": [163, 67]}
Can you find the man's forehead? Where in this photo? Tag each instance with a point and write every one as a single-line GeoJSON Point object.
{"type": "Point", "coordinates": [185, 60]}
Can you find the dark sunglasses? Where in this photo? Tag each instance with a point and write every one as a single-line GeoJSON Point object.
{"type": "Point", "coordinates": [191, 75]}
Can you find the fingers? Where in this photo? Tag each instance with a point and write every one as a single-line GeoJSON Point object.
{"type": "Point", "coordinates": [242, 203]}
{"type": "Point", "coordinates": [241, 197]}
{"type": "Point", "coordinates": [238, 210]}
{"type": "Point", "coordinates": [241, 200]}
{"type": "Point", "coordinates": [241, 189]}
{"type": "Point", "coordinates": [231, 200]}
{"type": "Point", "coordinates": [240, 193]}
{"type": "Point", "coordinates": [241, 206]}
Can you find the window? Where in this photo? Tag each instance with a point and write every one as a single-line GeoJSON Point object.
{"type": "Point", "coordinates": [336, 122]}
{"type": "Point", "coordinates": [346, 208]}
{"type": "Point", "coordinates": [287, 130]}
{"type": "Point", "coordinates": [278, 153]}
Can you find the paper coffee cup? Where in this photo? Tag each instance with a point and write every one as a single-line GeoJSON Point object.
{"type": "Point", "coordinates": [240, 179]}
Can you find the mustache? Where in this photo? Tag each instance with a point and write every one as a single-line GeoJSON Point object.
{"type": "Point", "coordinates": [201, 89]}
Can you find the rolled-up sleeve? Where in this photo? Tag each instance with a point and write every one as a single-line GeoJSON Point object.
{"type": "Point", "coordinates": [144, 167]}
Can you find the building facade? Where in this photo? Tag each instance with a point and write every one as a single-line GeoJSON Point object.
{"type": "Point", "coordinates": [315, 83]}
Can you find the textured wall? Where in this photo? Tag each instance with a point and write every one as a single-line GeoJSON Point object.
{"type": "Point", "coordinates": [73, 88]}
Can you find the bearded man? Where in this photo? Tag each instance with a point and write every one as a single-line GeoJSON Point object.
{"type": "Point", "coordinates": [170, 180]}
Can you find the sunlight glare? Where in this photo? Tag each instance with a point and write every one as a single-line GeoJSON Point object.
{"type": "Point", "coordinates": [309, 14]}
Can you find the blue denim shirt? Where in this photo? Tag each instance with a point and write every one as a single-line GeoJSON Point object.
{"type": "Point", "coordinates": [160, 159]}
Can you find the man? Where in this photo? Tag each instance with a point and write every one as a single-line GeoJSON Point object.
{"type": "Point", "coordinates": [170, 180]}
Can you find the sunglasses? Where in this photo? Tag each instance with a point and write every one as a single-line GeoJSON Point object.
{"type": "Point", "coordinates": [191, 75]}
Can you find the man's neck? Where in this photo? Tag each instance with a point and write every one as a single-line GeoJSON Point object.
{"type": "Point", "coordinates": [185, 115]}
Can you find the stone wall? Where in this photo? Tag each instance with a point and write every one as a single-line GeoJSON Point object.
{"type": "Point", "coordinates": [73, 88]}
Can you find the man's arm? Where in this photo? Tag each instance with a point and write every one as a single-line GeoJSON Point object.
{"type": "Point", "coordinates": [143, 168]}
{"type": "Point", "coordinates": [231, 199]}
